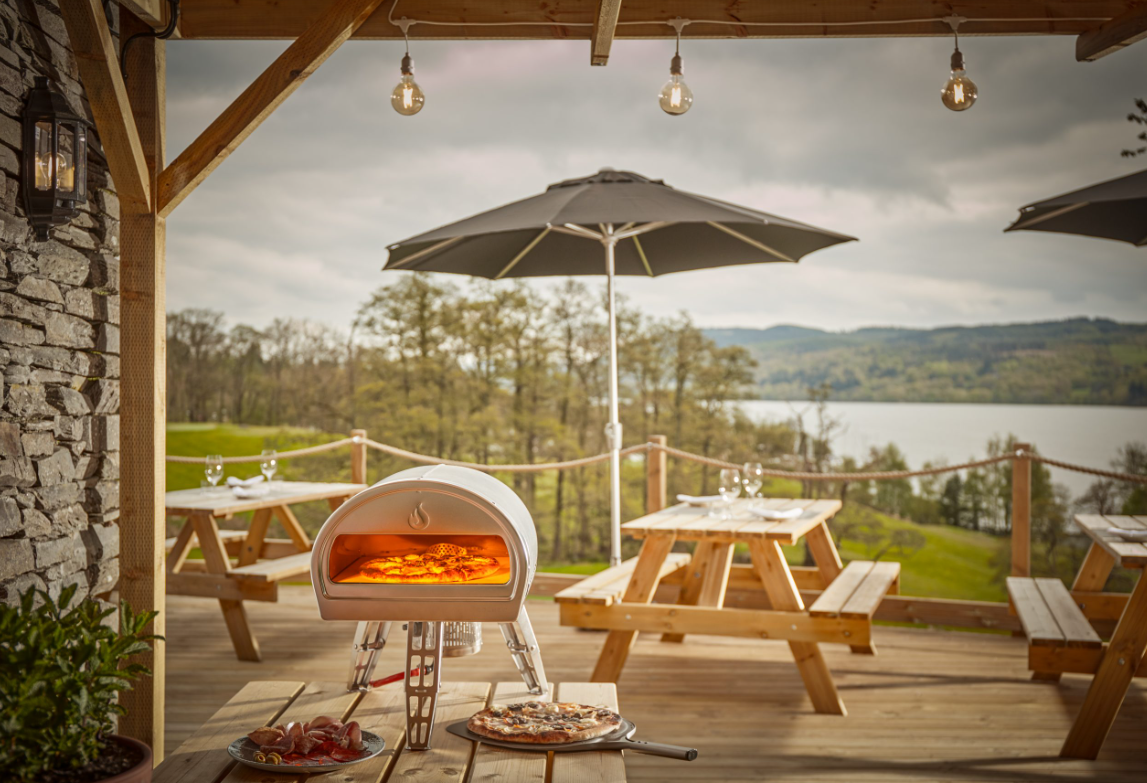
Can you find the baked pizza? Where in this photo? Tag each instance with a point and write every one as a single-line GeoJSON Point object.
{"type": "Point", "coordinates": [440, 564]}
{"type": "Point", "coordinates": [537, 722]}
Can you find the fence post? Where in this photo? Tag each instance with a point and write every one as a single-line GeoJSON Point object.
{"type": "Point", "coordinates": [1021, 511]}
{"type": "Point", "coordinates": [656, 475]}
{"type": "Point", "coordinates": [358, 457]}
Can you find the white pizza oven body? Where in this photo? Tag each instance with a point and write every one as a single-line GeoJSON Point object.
{"type": "Point", "coordinates": [409, 513]}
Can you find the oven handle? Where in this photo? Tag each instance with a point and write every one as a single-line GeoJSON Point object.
{"type": "Point", "coordinates": [399, 676]}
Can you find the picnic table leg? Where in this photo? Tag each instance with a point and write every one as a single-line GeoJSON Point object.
{"type": "Point", "coordinates": [642, 585]}
{"type": "Point", "coordinates": [293, 528]}
{"type": "Point", "coordinates": [713, 582]}
{"type": "Point", "coordinates": [691, 586]}
{"type": "Point", "coordinates": [769, 562]}
{"type": "Point", "coordinates": [253, 544]}
{"type": "Point", "coordinates": [827, 559]}
{"type": "Point", "coordinates": [334, 503]}
{"type": "Point", "coordinates": [1123, 655]}
{"type": "Point", "coordinates": [179, 552]}
{"type": "Point", "coordinates": [217, 562]}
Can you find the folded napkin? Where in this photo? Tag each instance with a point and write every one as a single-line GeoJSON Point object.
{"type": "Point", "coordinates": [237, 482]}
{"type": "Point", "coordinates": [1129, 535]}
{"type": "Point", "coordinates": [252, 492]}
{"type": "Point", "coordinates": [775, 514]}
{"type": "Point", "coordinates": [703, 500]}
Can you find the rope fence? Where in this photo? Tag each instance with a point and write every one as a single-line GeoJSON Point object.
{"type": "Point", "coordinates": [539, 467]}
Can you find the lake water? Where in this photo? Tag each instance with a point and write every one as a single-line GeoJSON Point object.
{"type": "Point", "coordinates": [1084, 435]}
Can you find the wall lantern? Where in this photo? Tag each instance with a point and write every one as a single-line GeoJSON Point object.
{"type": "Point", "coordinates": [55, 168]}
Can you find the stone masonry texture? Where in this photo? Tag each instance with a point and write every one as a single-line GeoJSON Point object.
{"type": "Point", "coordinates": [59, 344]}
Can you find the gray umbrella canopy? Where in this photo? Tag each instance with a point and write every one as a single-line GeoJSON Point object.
{"type": "Point", "coordinates": [533, 238]}
{"type": "Point", "coordinates": [645, 227]}
{"type": "Point", "coordinates": [1116, 209]}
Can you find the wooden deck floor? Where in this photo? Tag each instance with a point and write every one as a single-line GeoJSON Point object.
{"type": "Point", "coordinates": [932, 706]}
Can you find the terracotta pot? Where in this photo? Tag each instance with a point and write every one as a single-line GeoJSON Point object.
{"type": "Point", "coordinates": [141, 772]}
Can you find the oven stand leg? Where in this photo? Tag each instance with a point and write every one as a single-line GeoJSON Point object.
{"type": "Point", "coordinates": [527, 656]}
{"type": "Point", "coordinates": [424, 653]}
{"type": "Point", "coordinates": [369, 639]}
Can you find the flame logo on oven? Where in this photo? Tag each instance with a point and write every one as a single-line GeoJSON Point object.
{"type": "Point", "coordinates": [418, 519]}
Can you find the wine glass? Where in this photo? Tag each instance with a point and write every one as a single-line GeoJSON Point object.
{"type": "Point", "coordinates": [754, 478]}
{"type": "Point", "coordinates": [269, 464]}
{"type": "Point", "coordinates": [213, 468]}
{"type": "Point", "coordinates": [729, 487]}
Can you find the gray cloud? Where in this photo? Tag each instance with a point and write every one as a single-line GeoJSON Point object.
{"type": "Point", "coordinates": [848, 134]}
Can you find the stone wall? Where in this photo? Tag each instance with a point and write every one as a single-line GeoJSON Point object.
{"type": "Point", "coordinates": [59, 345]}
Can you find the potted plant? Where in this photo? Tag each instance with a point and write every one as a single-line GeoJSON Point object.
{"type": "Point", "coordinates": [61, 670]}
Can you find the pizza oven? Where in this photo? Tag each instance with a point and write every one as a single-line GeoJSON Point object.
{"type": "Point", "coordinates": [442, 549]}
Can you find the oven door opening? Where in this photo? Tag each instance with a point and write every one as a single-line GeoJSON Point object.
{"type": "Point", "coordinates": [427, 559]}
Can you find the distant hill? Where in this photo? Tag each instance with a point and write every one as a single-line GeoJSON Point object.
{"type": "Point", "coordinates": [1078, 361]}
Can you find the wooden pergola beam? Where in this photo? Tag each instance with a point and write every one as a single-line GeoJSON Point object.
{"type": "Point", "coordinates": [153, 12]}
{"type": "Point", "coordinates": [604, 26]}
{"type": "Point", "coordinates": [99, 70]}
{"type": "Point", "coordinates": [1112, 35]}
{"type": "Point", "coordinates": [239, 120]}
{"type": "Point", "coordinates": [575, 19]}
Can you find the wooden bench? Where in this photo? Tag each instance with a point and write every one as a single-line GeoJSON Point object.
{"type": "Point", "coordinates": [857, 592]}
{"type": "Point", "coordinates": [1057, 631]}
{"type": "Point", "coordinates": [607, 587]}
{"type": "Point", "coordinates": [275, 570]}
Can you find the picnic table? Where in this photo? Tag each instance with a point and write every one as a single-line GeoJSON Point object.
{"type": "Point", "coordinates": [1061, 637]}
{"type": "Point", "coordinates": [261, 562]}
{"type": "Point", "coordinates": [620, 599]}
{"type": "Point", "coordinates": [451, 759]}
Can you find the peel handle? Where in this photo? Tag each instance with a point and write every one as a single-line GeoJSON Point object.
{"type": "Point", "coordinates": [678, 752]}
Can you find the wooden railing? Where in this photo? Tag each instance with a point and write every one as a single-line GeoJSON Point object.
{"type": "Point", "coordinates": [898, 608]}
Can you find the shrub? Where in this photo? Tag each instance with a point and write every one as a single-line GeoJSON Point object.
{"type": "Point", "coordinates": [61, 670]}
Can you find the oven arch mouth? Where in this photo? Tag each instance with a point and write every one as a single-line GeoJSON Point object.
{"type": "Point", "coordinates": [441, 506]}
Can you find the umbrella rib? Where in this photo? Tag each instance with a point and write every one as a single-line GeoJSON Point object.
{"type": "Point", "coordinates": [410, 259]}
{"type": "Point", "coordinates": [641, 252]}
{"type": "Point", "coordinates": [533, 243]}
{"type": "Point", "coordinates": [578, 231]}
{"type": "Point", "coordinates": [754, 243]}
{"type": "Point", "coordinates": [644, 228]}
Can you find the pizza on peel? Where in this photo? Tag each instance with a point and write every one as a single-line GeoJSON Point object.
{"type": "Point", "coordinates": [544, 723]}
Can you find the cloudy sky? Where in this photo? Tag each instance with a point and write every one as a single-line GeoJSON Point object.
{"type": "Point", "coordinates": [845, 134]}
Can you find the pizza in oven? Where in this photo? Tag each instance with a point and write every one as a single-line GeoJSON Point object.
{"type": "Point", "coordinates": [544, 723]}
{"type": "Point", "coordinates": [441, 564]}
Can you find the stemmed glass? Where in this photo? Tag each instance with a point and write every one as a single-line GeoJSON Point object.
{"type": "Point", "coordinates": [729, 487]}
{"type": "Point", "coordinates": [213, 468]}
{"type": "Point", "coordinates": [269, 464]}
{"type": "Point", "coordinates": [754, 478]}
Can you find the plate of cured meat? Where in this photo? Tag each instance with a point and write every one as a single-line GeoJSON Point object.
{"type": "Point", "coordinates": [323, 744]}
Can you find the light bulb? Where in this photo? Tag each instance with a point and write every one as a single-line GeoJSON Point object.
{"type": "Point", "coordinates": [407, 98]}
{"type": "Point", "coordinates": [959, 91]}
{"type": "Point", "coordinates": [675, 96]}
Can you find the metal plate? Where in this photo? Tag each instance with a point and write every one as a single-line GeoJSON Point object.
{"type": "Point", "coordinates": [622, 732]}
{"type": "Point", "coordinates": [243, 750]}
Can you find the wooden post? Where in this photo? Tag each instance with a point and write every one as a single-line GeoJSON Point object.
{"type": "Point", "coordinates": [358, 457]}
{"type": "Point", "coordinates": [656, 476]}
{"type": "Point", "coordinates": [143, 393]}
{"type": "Point", "coordinates": [1022, 511]}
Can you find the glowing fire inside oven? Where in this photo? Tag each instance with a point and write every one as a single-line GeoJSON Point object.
{"type": "Point", "coordinates": [419, 560]}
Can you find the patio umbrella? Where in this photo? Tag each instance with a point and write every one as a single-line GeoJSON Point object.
{"type": "Point", "coordinates": [1116, 209]}
{"type": "Point", "coordinates": [611, 223]}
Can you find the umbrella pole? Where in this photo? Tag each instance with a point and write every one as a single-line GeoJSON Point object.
{"type": "Point", "coordinates": [613, 432]}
